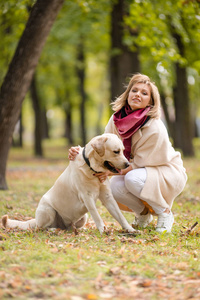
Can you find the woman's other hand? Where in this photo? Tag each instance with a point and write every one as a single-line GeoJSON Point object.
{"type": "Point", "coordinates": [102, 176]}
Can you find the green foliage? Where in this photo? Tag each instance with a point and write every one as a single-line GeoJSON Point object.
{"type": "Point", "coordinates": [154, 22]}
{"type": "Point", "coordinates": [87, 24]}
{"type": "Point", "coordinates": [65, 265]}
{"type": "Point", "coordinates": [78, 24]}
{"type": "Point", "coordinates": [13, 16]}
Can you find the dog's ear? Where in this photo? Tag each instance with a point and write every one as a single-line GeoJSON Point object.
{"type": "Point", "coordinates": [99, 146]}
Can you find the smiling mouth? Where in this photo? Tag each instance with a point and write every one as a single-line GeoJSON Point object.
{"type": "Point", "coordinates": [111, 167]}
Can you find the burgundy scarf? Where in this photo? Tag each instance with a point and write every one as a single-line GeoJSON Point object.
{"type": "Point", "coordinates": [128, 122]}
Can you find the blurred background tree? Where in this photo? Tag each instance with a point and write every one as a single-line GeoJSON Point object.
{"type": "Point", "coordinates": [20, 73]}
{"type": "Point", "coordinates": [92, 50]}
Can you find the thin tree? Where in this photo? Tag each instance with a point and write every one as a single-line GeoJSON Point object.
{"type": "Point", "coordinates": [183, 124]}
{"type": "Point", "coordinates": [83, 96]}
{"type": "Point", "coordinates": [123, 61]}
{"type": "Point", "coordinates": [38, 132]}
{"type": "Point", "coordinates": [20, 73]}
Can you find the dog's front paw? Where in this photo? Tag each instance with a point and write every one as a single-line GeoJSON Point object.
{"type": "Point", "coordinates": [102, 229]}
{"type": "Point", "coordinates": [132, 230]}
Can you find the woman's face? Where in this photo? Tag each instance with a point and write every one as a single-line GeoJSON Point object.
{"type": "Point", "coordinates": [139, 96]}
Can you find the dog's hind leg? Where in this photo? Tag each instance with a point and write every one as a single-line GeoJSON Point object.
{"type": "Point", "coordinates": [80, 223]}
{"type": "Point", "coordinates": [24, 225]}
{"type": "Point", "coordinates": [45, 215]}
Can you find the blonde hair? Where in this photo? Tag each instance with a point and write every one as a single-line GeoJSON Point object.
{"type": "Point", "coordinates": [155, 96]}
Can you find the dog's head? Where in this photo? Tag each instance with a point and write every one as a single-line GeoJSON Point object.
{"type": "Point", "coordinates": [105, 152]}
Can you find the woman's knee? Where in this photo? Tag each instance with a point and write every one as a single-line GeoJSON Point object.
{"type": "Point", "coordinates": [117, 187]}
{"type": "Point", "coordinates": [134, 181]}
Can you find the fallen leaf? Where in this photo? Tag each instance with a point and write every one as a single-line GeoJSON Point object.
{"type": "Point", "coordinates": [114, 271]}
{"type": "Point", "coordinates": [145, 283]}
{"type": "Point", "coordinates": [15, 283]}
{"type": "Point", "coordinates": [76, 298]}
{"type": "Point", "coordinates": [8, 206]}
{"type": "Point", "coordinates": [106, 295]}
{"type": "Point", "coordinates": [102, 263]}
{"type": "Point", "coordinates": [91, 297]}
{"type": "Point", "coordinates": [181, 266]}
{"type": "Point", "coordinates": [54, 250]}
{"type": "Point", "coordinates": [3, 237]}
{"type": "Point", "coordinates": [17, 269]}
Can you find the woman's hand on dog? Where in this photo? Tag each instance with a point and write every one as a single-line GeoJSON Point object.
{"type": "Point", "coordinates": [73, 151]}
{"type": "Point", "coordinates": [103, 175]}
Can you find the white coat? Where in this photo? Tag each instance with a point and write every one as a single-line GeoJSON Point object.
{"type": "Point", "coordinates": [152, 149]}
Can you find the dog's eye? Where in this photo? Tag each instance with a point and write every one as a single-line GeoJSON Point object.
{"type": "Point", "coordinates": [117, 152]}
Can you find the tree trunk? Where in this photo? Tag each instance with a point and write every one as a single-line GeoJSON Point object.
{"type": "Point", "coordinates": [170, 124]}
{"type": "Point", "coordinates": [183, 124]}
{"type": "Point", "coordinates": [20, 131]}
{"type": "Point", "coordinates": [45, 124]}
{"type": "Point", "coordinates": [20, 73]}
{"type": "Point", "coordinates": [81, 76]}
{"type": "Point", "coordinates": [19, 141]}
{"type": "Point", "coordinates": [123, 62]}
{"type": "Point", "coordinates": [68, 123]}
{"type": "Point", "coordinates": [38, 132]}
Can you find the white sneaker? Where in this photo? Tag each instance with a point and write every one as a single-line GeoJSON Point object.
{"type": "Point", "coordinates": [142, 220]}
{"type": "Point", "coordinates": [165, 222]}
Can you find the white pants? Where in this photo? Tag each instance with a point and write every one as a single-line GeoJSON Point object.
{"type": "Point", "coordinates": [126, 189]}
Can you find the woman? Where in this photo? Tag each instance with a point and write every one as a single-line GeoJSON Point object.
{"type": "Point", "coordinates": [156, 175]}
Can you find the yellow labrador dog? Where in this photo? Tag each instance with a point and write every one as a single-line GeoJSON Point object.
{"type": "Point", "coordinates": [76, 191]}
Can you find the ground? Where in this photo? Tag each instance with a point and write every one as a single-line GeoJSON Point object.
{"type": "Point", "coordinates": [76, 265]}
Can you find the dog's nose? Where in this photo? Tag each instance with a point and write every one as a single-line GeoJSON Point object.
{"type": "Point", "coordinates": [126, 165]}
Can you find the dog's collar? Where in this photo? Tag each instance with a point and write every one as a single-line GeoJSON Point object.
{"type": "Point", "coordinates": [87, 161]}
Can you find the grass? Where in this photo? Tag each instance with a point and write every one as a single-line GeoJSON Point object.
{"type": "Point", "coordinates": [44, 264]}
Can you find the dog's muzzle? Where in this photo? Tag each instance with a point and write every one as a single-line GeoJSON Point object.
{"type": "Point", "coordinates": [108, 165]}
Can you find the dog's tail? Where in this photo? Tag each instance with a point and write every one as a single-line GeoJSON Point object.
{"type": "Point", "coordinates": [24, 225]}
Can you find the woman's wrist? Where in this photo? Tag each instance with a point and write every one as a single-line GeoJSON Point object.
{"type": "Point", "coordinates": [125, 171]}
{"type": "Point", "coordinates": [122, 172]}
